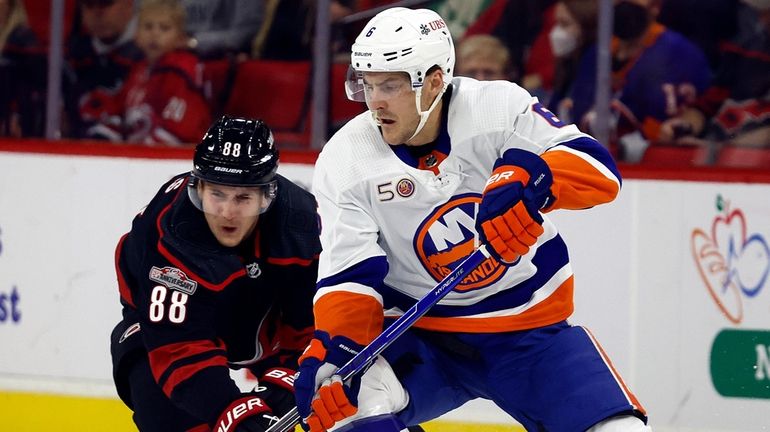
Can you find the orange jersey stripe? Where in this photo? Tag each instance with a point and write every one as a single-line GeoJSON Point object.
{"type": "Point", "coordinates": [315, 349]}
{"type": "Point", "coordinates": [576, 183]}
{"type": "Point", "coordinates": [356, 316]}
{"type": "Point", "coordinates": [631, 397]}
{"type": "Point", "coordinates": [558, 307]}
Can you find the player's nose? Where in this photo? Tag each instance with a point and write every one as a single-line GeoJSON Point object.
{"type": "Point", "coordinates": [228, 210]}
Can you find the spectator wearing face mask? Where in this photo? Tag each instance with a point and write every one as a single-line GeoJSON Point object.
{"type": "Point", "coordinates": [573, 32]}
{"type": "Point", "coordinates": [655, 72]}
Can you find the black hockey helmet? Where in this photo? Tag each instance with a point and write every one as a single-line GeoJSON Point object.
{"type": "Point", "coordinates": [236, 152]}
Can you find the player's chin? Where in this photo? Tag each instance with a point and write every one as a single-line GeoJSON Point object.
{"type": "Point", "coordinates": [392, 136]}
{"type": "Point", "coordinates": [228, 237]}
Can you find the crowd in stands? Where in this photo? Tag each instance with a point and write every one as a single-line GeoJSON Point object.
{"type": "Point", "coordinates": [690, 79]}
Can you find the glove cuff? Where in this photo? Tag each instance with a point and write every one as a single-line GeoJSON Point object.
{"type": "Point", "coordinates": [239, 411]}
{"type": "Point", "coordinates": [281, 377]}
{"type": "Point", "coordinates": [337, 350]}
{"type": "Point", "coordinates": [537, 188]}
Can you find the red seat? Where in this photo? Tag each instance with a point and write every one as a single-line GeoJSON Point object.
{"type": "Point", "coordinates": [216, 87]}
{"type": "Point", "coordinates": [744, 157]}
{"type": "Point", "coordinates": [342, 109]}
{"type": "Point", "coordinates": [277, 92]}
{"type": "Point", "coordinates": [676, 156]}
{"type": "Point", "coordinates": [39, 18]}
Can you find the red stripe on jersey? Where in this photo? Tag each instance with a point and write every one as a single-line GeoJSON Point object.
{"type": "Point", "coordinates": [557, 307]}
{"type": "Point", "coordinates": [174, 260]}
{"type": "Point", "coordinates": [358, 317]}
{"type": "Point", "coordinates": [576, 183]}
{"type": "Point", "coordinates": [630, 396]}
{"type": "Point", "coordinates": [125, 291]}
{"type": "Point", "coordinates": [743, 52]}
{"type": "Point", "coordinates": [162, 357]}
{"type": "Point", "coordinates": [293, 339]}
{"type": "Point", "coordinates": [292, 260]}
{"type": "Point", "coordinates": [183, 373]}
{"type": "Point", "coordinates": [257, 242]}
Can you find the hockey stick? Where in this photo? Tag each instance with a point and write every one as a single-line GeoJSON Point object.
{"type": "Point", "coordinates": [370, 352]}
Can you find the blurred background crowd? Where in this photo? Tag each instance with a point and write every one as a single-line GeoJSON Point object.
{"type": "Point", "coordinates": [689, 79]}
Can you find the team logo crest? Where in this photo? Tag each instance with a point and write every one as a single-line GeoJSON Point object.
{"type": "Point", "coordinates": [424, 29]}
{"type": "Point", "coordinates": [173, 278]}
{"type": "Point", "coordinates": [447, 236]}
{"type": "Point", "coordinates": [405, 188]}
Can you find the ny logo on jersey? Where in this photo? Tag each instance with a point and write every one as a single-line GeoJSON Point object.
{"type": "Point", "coordinates": [447, 236]}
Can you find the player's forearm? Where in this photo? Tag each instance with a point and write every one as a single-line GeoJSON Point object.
{"type": "Point", "coordinates": [356, 316]}
{"type": "Point", "coordinates": [583, 176]}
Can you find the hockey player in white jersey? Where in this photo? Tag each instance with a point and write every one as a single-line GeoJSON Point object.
{"type": "Point", "coordinates": [406, 191]}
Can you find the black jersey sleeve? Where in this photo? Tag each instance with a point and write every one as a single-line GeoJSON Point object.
{"type": "Point", "coordinates": [173, 288]}
{"type": "Point", "coordinates": [293, 246]}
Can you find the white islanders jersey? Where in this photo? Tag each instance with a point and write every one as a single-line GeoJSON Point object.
{"type": "Point", "coordinates": [391, 231]}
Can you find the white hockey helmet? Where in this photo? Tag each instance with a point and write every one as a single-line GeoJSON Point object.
{"type": "Point", "coordinates": [402, 40]}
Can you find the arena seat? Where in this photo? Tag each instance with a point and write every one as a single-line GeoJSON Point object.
{"type": "Point", "coordinates": [277, 92]}
{"type": "Point", "coordinates": [39, 18]}
{"type": "Point", "coordinates": [218, 76]}
{"type": "Point", "coordinates": [744, 157]}
{"type": "Point", "coordinates": [676, 156]}
{"type": "Point", "coordinates": [342, 109]}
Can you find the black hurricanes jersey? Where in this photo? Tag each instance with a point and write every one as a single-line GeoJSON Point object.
{"type": "Point", "coordinates": [197, 308]}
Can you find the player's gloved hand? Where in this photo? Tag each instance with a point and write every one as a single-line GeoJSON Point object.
{"type": "Point", "coordinates": [509, 220]}
{"type": "Point", "coordinates": [322, 398]}
{"type": "Point", "coordinates": [276, 386]}
{"type": "Point", "coordinates": [249, 413]}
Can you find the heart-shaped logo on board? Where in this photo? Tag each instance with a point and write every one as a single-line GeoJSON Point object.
{"type": "Point", "coordinates": [731, 264]}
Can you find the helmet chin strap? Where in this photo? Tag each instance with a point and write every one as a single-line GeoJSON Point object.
{"type": "Point", "coordinates": [425, 114]}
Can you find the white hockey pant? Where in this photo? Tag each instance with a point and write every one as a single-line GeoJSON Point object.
{"type": "Point", "coordinates": [380, 393]}
{"type": "Point", "coordinates": [626, 423]}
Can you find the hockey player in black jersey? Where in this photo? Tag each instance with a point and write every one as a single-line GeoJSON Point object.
{"type": "Point", "coordinates": [217, 272]}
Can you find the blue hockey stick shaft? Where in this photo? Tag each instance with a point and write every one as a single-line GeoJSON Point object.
{"type": "Point", "coordinates": [367, 355]}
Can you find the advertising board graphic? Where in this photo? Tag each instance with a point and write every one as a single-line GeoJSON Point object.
{"type": "Point", "coordinates": [733, 262]}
